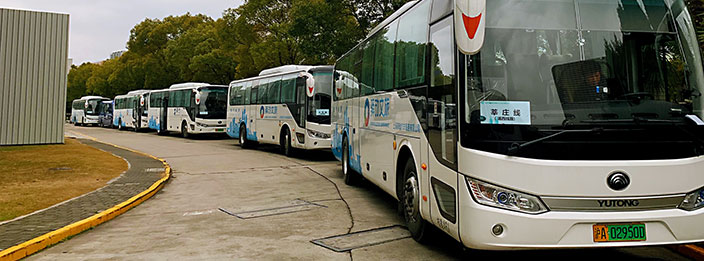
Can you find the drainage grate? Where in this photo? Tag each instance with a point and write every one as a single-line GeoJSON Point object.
{"type": "Point", "coordinates": [372, 237]}
{"type": "Point", "coordinates": [296, 206]}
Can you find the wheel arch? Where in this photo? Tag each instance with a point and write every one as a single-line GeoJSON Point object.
{"type": "Point", "coordinates": [405, 153]}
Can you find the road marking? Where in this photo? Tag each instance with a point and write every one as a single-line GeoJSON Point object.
{"type": "Point", "coordinates": [197, 213]}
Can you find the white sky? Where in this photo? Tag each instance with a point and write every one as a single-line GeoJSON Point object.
{"type": "Point", "coordinates": [100, 27]}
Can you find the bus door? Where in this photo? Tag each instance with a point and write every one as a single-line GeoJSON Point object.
{"type": "Point", "coordinates": [136, 113]}
{"type": "Point", "coordinates": [164, 112]}
{"type": "Point", "coordinates": [442, 130]}
{"type": "Point", "coordinates": [253, 112]}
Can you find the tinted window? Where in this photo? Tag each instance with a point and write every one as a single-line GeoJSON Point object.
{"type": "Point", "coordinates": [368, 66]}
{"type": "Point", "coordinates": [274, 91]}
{"type": "Point", "coordinates": [288, 89]}
{"type": "Point", "coordinates": [410, 46]}
{"type": "Point", "coordinates": [384, 59]}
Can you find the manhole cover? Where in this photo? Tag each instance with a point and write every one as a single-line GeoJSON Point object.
{"type": "Point", "coordinates": [377, 236]}
{"type": "Point", "coordinates": [296, 206]}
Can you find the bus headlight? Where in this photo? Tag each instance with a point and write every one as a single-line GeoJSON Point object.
{"type": "Point", "coordinates": [317, 134]}
{"type": "Point", "coordinates": [693, 201]}
{"type": "Point", "coordinates": [495, 196]}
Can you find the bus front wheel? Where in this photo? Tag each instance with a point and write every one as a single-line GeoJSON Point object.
{"type": "Point", "coordinates": [286, 143]}
{"type": "Point", "coordinates": [351, 178]}
{"type": "Point", "coordinates": [244, 143]}
{"type": "Point", "coordinates": [410, 204]}
{"type": "Point", "coordinates": [184, 130]}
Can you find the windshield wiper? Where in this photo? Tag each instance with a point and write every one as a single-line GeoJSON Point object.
{"type": "Point", "coordinates": [516, 147]}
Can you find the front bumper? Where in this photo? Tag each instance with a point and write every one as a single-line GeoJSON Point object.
{"type": "Point", "coordinates": [92, 120]}
{"type": "Point", "coordinates": [208, 130]}
{"type": "Point", "coordinates": [556, 229]}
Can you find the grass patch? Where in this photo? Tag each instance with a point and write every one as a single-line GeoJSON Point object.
{"type": "Point", "coordinates": [37, 177]}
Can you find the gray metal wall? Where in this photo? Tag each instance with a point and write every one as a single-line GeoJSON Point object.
{"type": "Point", "coordinates": [33, 72]}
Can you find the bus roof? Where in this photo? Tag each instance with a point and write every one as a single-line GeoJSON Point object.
{"type": "Point", "coordinates": [188, 85]}
{"type": "Point", "coordinates": [291, 68]}
{"type": "Point", "coordinates": [93, 98]}
{"type": "Point", "coordinates": [138, 92]}
{"type": "Point", "coordinates": [284, 70]}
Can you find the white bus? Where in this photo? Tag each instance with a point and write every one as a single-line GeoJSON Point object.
{"type": "Point", "coordinates": [288, 106]}
{"type": "Point", "coordinates": [523, 124]}
{"type": "Point", "coordinates": [84, 111]}
{"type": "Point", "coordinates": [131, 110]}
{"type": "Point", "coordinates": [189, 108]}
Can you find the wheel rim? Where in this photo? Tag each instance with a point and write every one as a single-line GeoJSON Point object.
{"type": "Point", "coordinates": [410, 198]}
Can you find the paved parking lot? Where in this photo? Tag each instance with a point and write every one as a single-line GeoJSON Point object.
{"type": "Point", "coordinates": [228, 203]}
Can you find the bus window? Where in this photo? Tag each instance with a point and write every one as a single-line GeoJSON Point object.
{"type": "Point", "coordinates": [410, 46]}
{"type": "Point", "coordinates": [288, 89]}
{"type": "Point", "coordinates": [384, 59]}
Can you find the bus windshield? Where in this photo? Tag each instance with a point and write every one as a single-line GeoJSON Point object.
{"type": "Point", "coordinates": [213, 103]}
{"type": "Point", "coordinates": [552, 65]}
{"type": "Point", "coordinates": [93, 107]}
{"type": "Point", "coordinates": [319, 105]}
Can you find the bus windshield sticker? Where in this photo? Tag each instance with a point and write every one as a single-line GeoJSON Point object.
{"type": "Point", "coordinates": [505, 112]}
{"type": "Point", "coordinates": [322, 112]}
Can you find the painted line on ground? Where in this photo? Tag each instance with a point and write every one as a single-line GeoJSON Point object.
{"type": "Point", "coordinates": [34, 245]}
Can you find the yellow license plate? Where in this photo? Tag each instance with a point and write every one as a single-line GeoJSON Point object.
{"type": "Point", "coordinates": [620, 232]}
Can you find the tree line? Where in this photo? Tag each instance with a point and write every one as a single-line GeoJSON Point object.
{"type": "Point", "coordinates": [257, 35]}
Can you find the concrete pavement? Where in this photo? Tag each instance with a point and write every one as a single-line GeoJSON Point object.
{"type": "Point", "coordinates": [196, 215]}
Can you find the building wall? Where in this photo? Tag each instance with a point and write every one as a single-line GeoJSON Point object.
{"type": "Point", "coordinates": [33, 74]}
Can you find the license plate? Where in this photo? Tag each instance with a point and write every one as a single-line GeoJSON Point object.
{"type": "Point", "coordinates": [622, 232]}
{"type": "Point", "coordinates": [219, 130]}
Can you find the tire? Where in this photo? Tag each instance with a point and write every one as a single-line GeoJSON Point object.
{"type": "Point", "coordinates": [119, 125]}
{"type": "Point", "coordinates": [286, 148]}
{"type": "Point", "coordinates": [410, 204]}
{"type": "Point", "coordinates": [244, 143]}
{"type": "Point", "coordinates": [184, 130]}
{"type": "Point", "coordinates": [351, 177]}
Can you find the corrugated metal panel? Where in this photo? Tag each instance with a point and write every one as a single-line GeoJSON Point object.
{"type": "Point", "coordinates": [33, 76]}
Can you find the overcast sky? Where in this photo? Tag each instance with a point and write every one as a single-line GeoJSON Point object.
{"type": "Point", "coordinates": [100, 27]}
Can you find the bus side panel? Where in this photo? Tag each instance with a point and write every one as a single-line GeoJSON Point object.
{"type": "Point", "coordinates": [268, 123]}
{"type": "Point", "coordinates": [377, 140]}
{"type": "Point", "coordinates": [354, 135]}
{"type": "Point", "coordinates": [154, 118]}
{"type": "Point", "coordinates": [338, 123]}
{"type": "Point", "coordinates": [235, 116]}
{"type": "Point", "coordinates": [252, 113]}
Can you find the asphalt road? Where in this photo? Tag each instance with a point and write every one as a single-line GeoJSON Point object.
{"type": "Point", "coordinates": [282, 203]}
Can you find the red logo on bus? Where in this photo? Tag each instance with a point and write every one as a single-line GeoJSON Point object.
{"type": "Point", "coordinates": [471, 24]}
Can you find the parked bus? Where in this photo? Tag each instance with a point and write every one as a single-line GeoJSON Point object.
{"type": "Point", "coordinates": [105, 114]}
{"type": "Point", "coordinates": [512, 124]}
{"type": "Point", "coordinates": [131, 110]}
{"type": "Point", "coordinates": [189, 108]}
{"type": "Point", "coordinates": [288, 106]}
{"type": "Point", "coordinates": [84, 111]}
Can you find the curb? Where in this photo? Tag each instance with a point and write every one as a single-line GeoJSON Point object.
{"type": "Point", "coordinates": [34, 245]}
{"type": "Point", "coordinates": [692, 251]}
